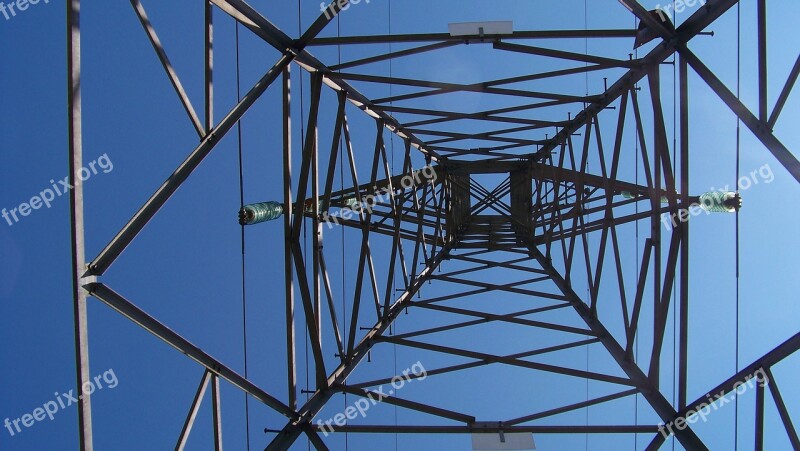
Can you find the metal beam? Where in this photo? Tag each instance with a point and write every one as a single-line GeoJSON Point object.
{"type": "Point", "coordinates": [79, 308]}
{"type": "Point", "coordinates": [786, 419]}
{"type": "Point", "coordinates": [118, 244]}
{"type": "Point", "coordinates": [193, 410]}
{"type": "Point", "coordinates": [135, 225]}
{"type": "Point", "coordinates": [419, 407]}
{"type": "Point", "coordinates": [216, 411]}
{"type": "Point", "coordinates": [167, 65]}
{"type": "Point", "coordinates": [653, 396]}
{"type": "Point", "coordinates": [291, 357]}
{"type": "Point", "coordinates": [320, 398]}
{"type": "Point", "coordinates": [434, 37]}
{"type": "Point", "coordinates": [510, 361]}
{"type": "Point", "coordinates": [768, 360]}
{"type": "Point", "coordinates": [571, 407]}
{"type": "Point", "coordinates": [784, 96]}
{"type": "Point", "coordinates": [683, 311]}
{"type": "Point", "coordinates": [690, 28]}
{"type": "Point", "coordinates": [152, 325]}
{"type": "Point", "coordinates": [560, 54]}
{"type": "Point", "coordinates": [495, 429]}
{"type": "Point", "coordinates": [249, 17]}
{"type": "Point", "coordinates": [393, 55]}
{"type": "Point", "coordinates": [758, 128]}
{"type": "Point", "coordinates": [209, 66]}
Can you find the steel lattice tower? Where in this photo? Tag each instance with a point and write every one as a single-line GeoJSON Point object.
{"type": "Point", "coordinates": [552, 223]}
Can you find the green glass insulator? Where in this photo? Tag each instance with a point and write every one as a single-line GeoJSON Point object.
{"type": "Point", "coordinates": [260, 212]}
{"type": "Point", "coordinates": [720, 202]}
{"type": "Point", "coordinates": [630, 195]}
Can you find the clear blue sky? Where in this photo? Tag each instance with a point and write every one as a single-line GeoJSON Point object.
{"type": "Point", "coordinates": [185, 266]}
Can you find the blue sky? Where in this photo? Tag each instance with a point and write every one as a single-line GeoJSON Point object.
{"type": "Point", "coordinates": [185, 266]}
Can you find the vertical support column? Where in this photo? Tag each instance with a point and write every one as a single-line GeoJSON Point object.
{"type": "Point", "coordinates": [762, 61]}
{"type": "Point", "coordinates": [217, 412]}
{"type": "Point", "coordinates": [521, 194]}
{"type": "Point", "coordinates": [298, 258]}
{"type": "Point", "coordinates": [655, 365]}
{"type": "Point", "coordinates": [209, 63]}
{"type": "Point", "coordinates": [315, 223]}
{"type": "Point", "coordinates": [759, 434]}
{"type": "Point", "coordinates": [287, 227]}
{"type": "Point", "coordinates": [683, 319]}
{"type": "Point", "coordinates": [79, 294]}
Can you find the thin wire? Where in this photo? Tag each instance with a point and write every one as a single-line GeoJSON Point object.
{"type": "Point", "coordinates": [586, 409]}
{"type": "Point", "coordinates": [395, 372]}
{"type": "Point", "coordinates": [241, 205]}
{"type": "Point", "coordinates": [302, 141]}
{"type": "Point", "coordinates": [394, 279]}
{"type": "Point", "coordinates": [736, 184]}
{"type": "Point", "coordinates": [586, 80]}
{"type": "Point", "coordinates": [674, 171]}
{"type": "Point", "coordinates": [586, 41]}
{"type": "Point", "coordinates": [341, 184]}
{"type": "Point", "coordinates": [392, 135]}
{"type": "Point", "coordinates": [636, 240]}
